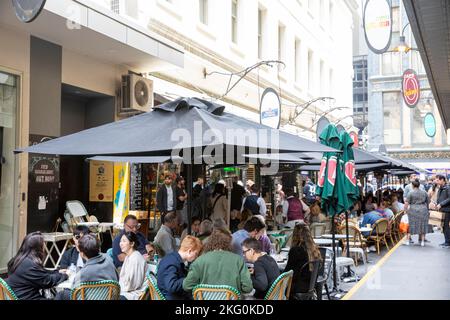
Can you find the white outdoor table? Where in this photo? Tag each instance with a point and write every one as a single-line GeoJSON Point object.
{"type": "Point", "coordinates": [53, 238]}
{"type": "Point", "coordinates": [336, 236]}
{"type": "Point", "coordinates": [281, 259]}
{"type": "Point", "coordinates": [323, 242]}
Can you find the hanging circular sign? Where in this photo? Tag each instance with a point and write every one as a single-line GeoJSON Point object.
{"type": "Point", "coordinates": [429, 124]}
{"type": "Point", "coordinates": [28, 10]}
{"type": "Point", "coordinates": [355, 139]}
{"type": "Point", "coordinates": [270, 108]}
{"type": "Point", "coordinates": [377, 24]}
{"type": "Point", "coordinates": [410, 88]}
{"type": "Point", "coordinates": [321, 124]}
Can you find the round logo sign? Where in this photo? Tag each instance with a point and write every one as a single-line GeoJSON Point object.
{"type": "Point", "coordinates": [270, 109]}
{"type": "Point", "coordinates": [28, 10]}
{"type": "Point", "coordinates": [377, 23]}
{"type": "Point", "coordinates": [410, 88]}
{"type": "Point", "coordinates": [429, 124]}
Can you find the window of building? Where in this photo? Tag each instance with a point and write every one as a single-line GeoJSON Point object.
{"type": "Point", "coordinates": [322, 78]}
{"type": "Point", "coordinates": [418, 135]}
{"type": "Point", "coordinates": [261, 26]}
{"type": "Point", "coordinates": [391, 63]}
{"type": "Point", "coordinates": [203, 11]}
{"type": "Point", "coordinates": [281, 45]}
{"type": "Point", "coordinates": [331, 82]}
{"type": "Point", "coordinates": [9, 102]}
{"type": "Point", "coordinates": [234, 21]}
{"type": "Point", "coordinates": [297, 60]}
{"type": "Point", "coordinates": [416, 62]}
{"type": "Point", "coordinates": [310, 72]}
{"type": "Point", "coordinates": [115, 6]}
{"type": "Point", "coordinates": [392, 118]}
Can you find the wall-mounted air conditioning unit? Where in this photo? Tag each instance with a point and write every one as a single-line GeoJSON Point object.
{"type": "Point", "coordinates": [137, 93]}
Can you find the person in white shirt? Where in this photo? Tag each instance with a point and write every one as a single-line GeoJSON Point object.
{"type": "Point", "coordinates": [166, 196]}
{"type": "Point", "coordinates": [134, 268]}
{"type": "Point", "coordinates": [254, 202]}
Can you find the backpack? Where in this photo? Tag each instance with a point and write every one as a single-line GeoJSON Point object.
{"type": "Point", "coordinates": [251, 203]}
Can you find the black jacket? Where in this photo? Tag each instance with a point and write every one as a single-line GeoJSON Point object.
{"type": "Point", "coordinates": [161, 198]}
{"type": "Point", "coordinates": [171, 273]}
{"type": "Point", "coordinates": [69, 257]}
{"type": "Point", "coordinates": [30, 277]}
{"type": "Point", "coordinates": [266, 271]}
{"type": "Point", "coordinates": [298, 256]}
{"type": "Point", "coordinates": [444, 198]}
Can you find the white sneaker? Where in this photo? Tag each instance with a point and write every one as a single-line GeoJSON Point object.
{"type": "Point", "coordinates": [422, 244]}
{"type": "Point", "coordinates": [406, 243]}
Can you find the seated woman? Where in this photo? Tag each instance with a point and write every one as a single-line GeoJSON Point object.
{"type": "Point", "coordinates": [195, 228]}
{"type": "Point", "coordinates": [134, 268]}
{"type": "Point", "coordinates": [303, 250]}
{"type": "Point", "coordinates": [26, 272]}
{"type": "Point", "coordinates": [265, 269]}
{"type": "Point", "coordinates": [315, 215]}
{"type": "Point", "coordinates": [72, 255]}
{"type": "Point", "coordinates": [172, 270]}
{"type": "Point", "coordinates": [219, 265]}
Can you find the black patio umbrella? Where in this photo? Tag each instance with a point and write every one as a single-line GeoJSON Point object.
{"type": "Point", "coordinates": [186, 124]}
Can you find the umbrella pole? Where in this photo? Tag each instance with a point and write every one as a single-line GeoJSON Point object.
{"type": "Point", "coordinates": [189, 199]}
{"type": "Point", "coordinates": [334, 253]}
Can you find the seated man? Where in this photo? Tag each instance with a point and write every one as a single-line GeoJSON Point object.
{"type": "Point", "coordinates": [164, 238]}
{"type": "Point", "coordinates": [98, 266]}
{"type": "Point", "coordinates": [172, 269]}
{"type": "Point", "coordinates": [370, 218]}
{"type": "Point", "coordinates": [130, 224]}
{"type": "Point", "coordinates": [265, 269]}
{"type": "Point", "coordinates": [251, 229]}
{"type": "Point", "coordinates": [384, 206]}
{"type": "Point", "coordinates": [72, 256]}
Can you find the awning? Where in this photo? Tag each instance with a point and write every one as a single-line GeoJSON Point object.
{"type": "Point", "coordinates": [430, 22]}
{"type": "Point", "coordinates": [134, 159]}
{"type": "Point", "coordinates": [87, 28]}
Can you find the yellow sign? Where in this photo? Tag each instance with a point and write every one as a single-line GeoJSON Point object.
{"type": "Point", "coordinates": [121, 191]}
{"type": "Point", "coordinates": [100, 181]}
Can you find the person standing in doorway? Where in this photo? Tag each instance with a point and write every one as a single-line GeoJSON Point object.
{"type": "Point", "coordinates": [166, 200]}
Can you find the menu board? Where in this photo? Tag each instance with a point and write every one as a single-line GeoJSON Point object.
{"type": "Point", "coordinates": [136, 192]}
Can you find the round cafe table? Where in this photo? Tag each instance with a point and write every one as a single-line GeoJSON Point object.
{"type": "Point", "coordinates": [323, 242]}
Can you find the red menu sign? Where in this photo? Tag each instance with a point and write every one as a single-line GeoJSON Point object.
{"type": "Point", "coordinates": [411, 88]}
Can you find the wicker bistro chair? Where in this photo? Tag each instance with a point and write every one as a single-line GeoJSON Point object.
{"type": "Point", "coordinates": [380, 227]}
{"type": "Point", "coordinates": [395, 230]}
{"type": "Point", "coordinates": [6, 293]}
{"type": "Point", "coordinates": [281, 287]}
{"type": "Point", "coordinates": [357, 243]}
{"type": "Point", "coordinates": [146, 294]}
{"type": "Point", "coordinates": [155, 293]}
{"type": "Point", "coordinates": [97, 290]}
{"type": "Point", "coordinates": [215, 292]}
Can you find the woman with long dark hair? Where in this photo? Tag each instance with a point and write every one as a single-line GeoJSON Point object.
{"type": "Point", "coordinates": [26, 272]}
{"type": "Point", "coordinates": [303, 250]}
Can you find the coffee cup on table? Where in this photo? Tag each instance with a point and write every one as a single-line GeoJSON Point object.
{"type": "Point", "coordinates": [368, 226]}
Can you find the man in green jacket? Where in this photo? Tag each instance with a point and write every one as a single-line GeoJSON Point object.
{"type": "Point", "coordinates": [219, 266]}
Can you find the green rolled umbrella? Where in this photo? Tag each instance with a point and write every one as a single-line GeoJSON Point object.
{"type": "Point", "coordinates": [328, 174]}
{"type": "Point", "coordinates": [348, 191]}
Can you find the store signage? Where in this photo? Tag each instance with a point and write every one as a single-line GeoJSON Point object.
{"type": "Point", "coordinates": [28, 10]}
{"type": "Point", "coordinates": [101, 181]}
{"type": "Point", "coordinates": [270, 109]}
{"type": "Point", "coordinates": [121, 191]}
{"type": "Point", "coordinates": [355, 139]}
{"type": "Point", "coordinates": [411, 88]}
{"type": "Point", "coordinates": [429, 124]}
{"type": "Point", "coordinates": [377, 24]}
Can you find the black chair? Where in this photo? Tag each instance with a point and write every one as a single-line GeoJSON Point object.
{"type": "Point", "coordinates": [311, 294]}
{"type": "Point", "coordinates": [324, 273]}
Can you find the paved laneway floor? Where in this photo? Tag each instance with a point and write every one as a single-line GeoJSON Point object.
{"type": "Point", "coordinates": [408, 273]}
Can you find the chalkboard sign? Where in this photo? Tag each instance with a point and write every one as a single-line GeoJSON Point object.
{"type": "Point", "coordinates": [136, 192]}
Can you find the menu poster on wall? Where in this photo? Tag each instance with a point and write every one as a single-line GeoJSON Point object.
{"type": "Point", "coordinates": [42, 168]}
{"type": "Point", "coordinates": [101, 181]}
{"type": "Point", "coordinates": [136, 191]}
{"type": "Point", "coordinates": [121, 191]}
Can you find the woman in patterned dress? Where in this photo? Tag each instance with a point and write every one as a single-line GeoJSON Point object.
{"type": "Point", "coordinates": [417, 210]}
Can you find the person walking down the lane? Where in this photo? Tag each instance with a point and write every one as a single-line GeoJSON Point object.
{"type": "Point", "coordinates": [417, 209]}
{"type": "Point", "coordinates": [219, 266]}
{"type": "Point", "coordinates": [443, 205]}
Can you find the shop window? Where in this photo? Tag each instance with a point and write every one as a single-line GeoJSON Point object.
{"type": "Point", "coordinates": [392, 118]}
